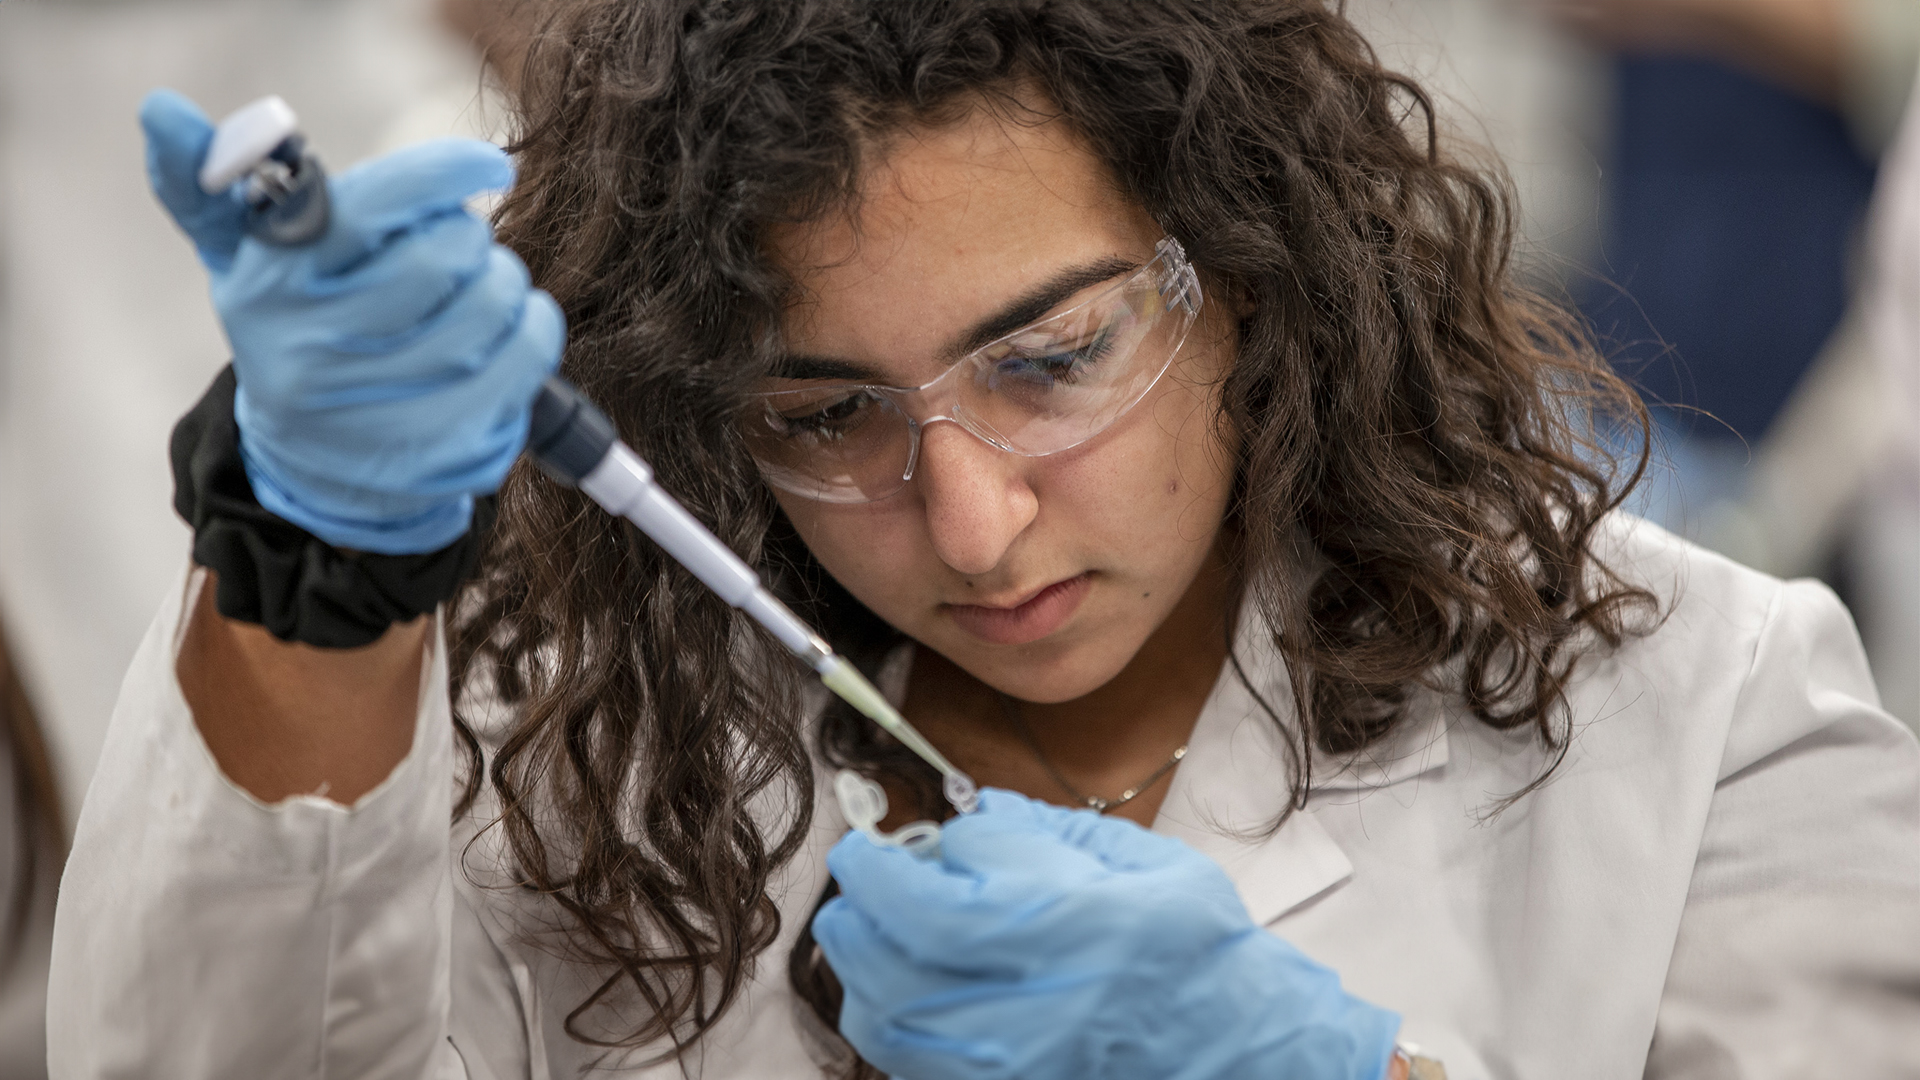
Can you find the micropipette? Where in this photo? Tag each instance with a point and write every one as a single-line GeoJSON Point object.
{"type": "Point", "coordinates": [574, 443]}
{"type": "Point", "coordinates": [570, 439]}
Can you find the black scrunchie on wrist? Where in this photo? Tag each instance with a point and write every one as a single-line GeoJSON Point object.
{"type": "Point", "coordinates": [273, 572]}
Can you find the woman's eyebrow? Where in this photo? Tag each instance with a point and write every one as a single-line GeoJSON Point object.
{"type": "Point", "coordinates": [1031, 305]}
{"type": "Point", "coordinates": [1026, 308]}
{"type": "Point", "coordinates": [801, 366]}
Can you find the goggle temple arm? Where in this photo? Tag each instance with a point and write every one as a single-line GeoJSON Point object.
{"type": "Point", "coordinates": [1180, 286]}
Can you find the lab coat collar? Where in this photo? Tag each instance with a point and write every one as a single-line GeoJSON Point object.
{"type": "Point", "coordinates": [1416, 747]}
{"type": "Point", "coordinates": [1233, 784]}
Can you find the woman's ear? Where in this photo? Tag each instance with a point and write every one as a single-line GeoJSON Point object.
{"type": "Point", "coordinates": [1235, 297]}
{"type": "Point", "coordinates": [1240, 301]}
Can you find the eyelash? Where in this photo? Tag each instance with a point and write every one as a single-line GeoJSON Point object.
{"type": "Point", "coordinates": [1050, 366]}
{"type": "Point", "coordinates": [820, 425]}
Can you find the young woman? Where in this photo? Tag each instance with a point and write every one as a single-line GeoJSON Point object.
{"type": "Point", "coordinates": [1144, 398]}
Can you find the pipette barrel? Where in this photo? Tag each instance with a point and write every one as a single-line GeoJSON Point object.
{"type": "Point", "coordinates": [623, 485]}
{"type": "Point", "coordinates": [574, 443]}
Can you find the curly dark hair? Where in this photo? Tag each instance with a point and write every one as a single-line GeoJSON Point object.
{"type": "Point", "coordinates": [1416, 425]}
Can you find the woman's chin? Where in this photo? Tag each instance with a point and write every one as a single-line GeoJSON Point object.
{"type": "Point", "coordinates": [1044, 672]}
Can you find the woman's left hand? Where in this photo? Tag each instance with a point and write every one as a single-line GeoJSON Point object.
{"type": "Point", "coordinates": [1055, 943]}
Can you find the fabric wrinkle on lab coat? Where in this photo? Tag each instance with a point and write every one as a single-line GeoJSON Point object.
{"type": "Point", "coordinates": [1727, 767]}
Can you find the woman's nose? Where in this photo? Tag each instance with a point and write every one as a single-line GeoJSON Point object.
{"type": "Point", "coordinates": [976, 496]}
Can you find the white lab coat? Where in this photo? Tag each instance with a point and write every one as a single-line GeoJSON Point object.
{"type": "Point", "coordinates": [1725, 869]}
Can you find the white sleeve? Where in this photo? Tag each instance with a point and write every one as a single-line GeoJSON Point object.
{"type": "Point", "coordinates": [203, 934]}
{"type": "Point", "coordinates": [1798, 953]}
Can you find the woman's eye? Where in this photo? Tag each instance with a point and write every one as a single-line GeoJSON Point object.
{"type": "Point", "coordinates": [828, 418]}
{"type": "Point", "coordinates": [1055, 365]}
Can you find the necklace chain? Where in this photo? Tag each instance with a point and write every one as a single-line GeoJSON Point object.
{"type": "Point", "coordinates": [1092, 802]}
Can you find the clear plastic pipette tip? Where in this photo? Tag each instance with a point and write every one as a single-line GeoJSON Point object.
{"type": "Point", "coordinates": [845, 680]}
{"type": "Point", "coordinates": [961, 791]}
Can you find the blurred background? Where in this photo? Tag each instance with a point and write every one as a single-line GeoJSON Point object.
{"type": "Point", "coordinates": [1699, 176]}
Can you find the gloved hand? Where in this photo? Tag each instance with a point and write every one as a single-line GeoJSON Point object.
{"type": "Point", "coordinates": [386, 371]}
{"type": "Point", "coordinates": [1053, 943]}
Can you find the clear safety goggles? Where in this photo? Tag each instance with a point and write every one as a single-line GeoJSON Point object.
{"type": "Point", "coordinates": [1044, 388]}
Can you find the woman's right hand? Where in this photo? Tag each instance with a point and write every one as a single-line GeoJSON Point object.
{"type": "Point", "coordinates": [386, 371]}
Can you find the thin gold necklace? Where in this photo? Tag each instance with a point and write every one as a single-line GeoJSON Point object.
{"type": "Point", "coordinates": [1092, 802]}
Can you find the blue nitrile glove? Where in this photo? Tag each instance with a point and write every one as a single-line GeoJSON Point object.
{"type": "Point", "coordinates": [1053, 943]}
{"type": "Point", "coordinates": [386, 371]}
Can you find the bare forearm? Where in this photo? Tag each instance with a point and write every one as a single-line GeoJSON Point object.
{"type": "Point", "coordinates": [1802, 43]}
{"type": "Point", "coordinates": [289, 719]}
{"type": "Point", "coordinates": [1799, 42]}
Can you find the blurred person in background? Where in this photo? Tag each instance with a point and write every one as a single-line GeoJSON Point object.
{"type": "Point", "coordinates": [1746, 139]}
{"type": "Point", "coordinates": [1893, 298]}
{"type": "Point", "coordinates": [1888, 543]}
{"type": "Point", "coordinates": [1696, 172]}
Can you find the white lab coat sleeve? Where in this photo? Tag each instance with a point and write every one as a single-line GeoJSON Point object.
{"type": "Point", "coordinates": [1798, 952]}
{"type": "Point", "coordinates": [203, 934]}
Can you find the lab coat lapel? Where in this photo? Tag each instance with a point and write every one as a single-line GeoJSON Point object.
{"type": "Point", "coordinates": [1232, 785]}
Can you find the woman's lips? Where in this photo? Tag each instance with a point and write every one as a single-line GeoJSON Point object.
{"type": "Point", "coordinates": [1030, 620]}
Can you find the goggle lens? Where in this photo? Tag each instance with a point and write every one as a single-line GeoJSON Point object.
{"type": "Point", "coordinates": [1043, 389]}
